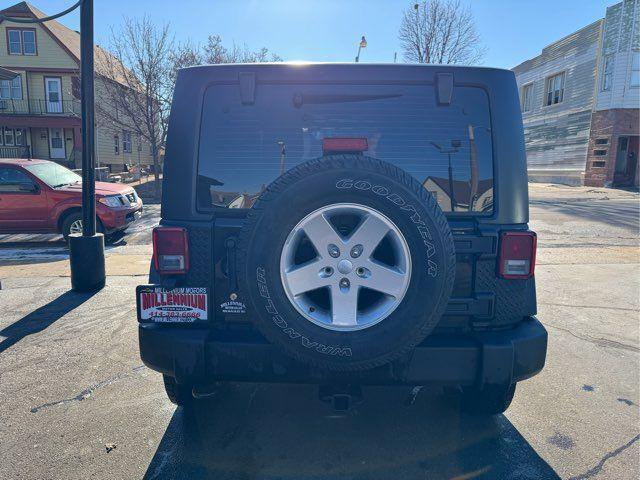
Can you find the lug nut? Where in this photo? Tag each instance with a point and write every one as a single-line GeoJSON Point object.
{"type": "Point", "coordinates": [363, 272]}
{"type": "Point", "coordinates": [326, 272]}
{"type": "Point", "coordinates": [344, 283]}
{"type": "Point", "coordinates": [334, 251]}
{"type": "Point", "coordinates": [356, 251]}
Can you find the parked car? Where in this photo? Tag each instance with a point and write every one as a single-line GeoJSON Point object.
{"type": "Point", "coordinates": [40, 196]}
{"type": "Point", "coordinates": [382, 235]}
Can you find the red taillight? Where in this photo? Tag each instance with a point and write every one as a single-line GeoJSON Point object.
{"type": "Point", "coordinates": [517, 254]}
{"type": "Point", "coordinates": [342, 145]}
{"type": "Point", "coordinates": [171, 250]}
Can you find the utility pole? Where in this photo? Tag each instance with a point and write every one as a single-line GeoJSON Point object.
{"type": "Point", "coordinates": [87, 250]}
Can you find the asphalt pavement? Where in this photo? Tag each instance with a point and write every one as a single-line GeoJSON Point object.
{"type": "Point", "coordinates": [76, 401]}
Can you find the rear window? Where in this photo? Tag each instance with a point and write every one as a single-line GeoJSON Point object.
{"type": "Point", "coordinates": [447, 148]}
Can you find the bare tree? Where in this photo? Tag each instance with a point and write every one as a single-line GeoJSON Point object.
{"type": "Point", "coordinates": [137, 87]}
{"type": "Point", "coordinates": [139, 72]}
{"type": "Point", "coordinates": [440, 31]}
{"type": "Point", "coordinates": [214, 52]}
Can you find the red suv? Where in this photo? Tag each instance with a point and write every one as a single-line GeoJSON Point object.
{"type": "Point", "coordinates": [39, 196]}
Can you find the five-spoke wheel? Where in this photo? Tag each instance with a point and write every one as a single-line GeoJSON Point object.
{"type": "Point", "coordinates": [345, 266]}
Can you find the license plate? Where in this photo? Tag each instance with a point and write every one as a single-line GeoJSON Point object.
{"type": "Point", "coordinates": [157, 304]}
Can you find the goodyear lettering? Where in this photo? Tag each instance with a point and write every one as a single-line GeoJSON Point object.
{"type": "Point", "coordinates": [421, 226]}
{"type": "Point", "coordinates": [281, 323]}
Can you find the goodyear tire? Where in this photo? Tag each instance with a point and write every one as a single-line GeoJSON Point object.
{"type": "Point", "coordinates": [385, 266]}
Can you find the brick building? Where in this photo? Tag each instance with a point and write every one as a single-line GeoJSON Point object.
{"type": "Point", "coordinates": [580, 102]}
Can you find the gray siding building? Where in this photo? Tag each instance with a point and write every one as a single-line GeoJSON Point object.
{"type": "Point", "coordinates": [580, 100]}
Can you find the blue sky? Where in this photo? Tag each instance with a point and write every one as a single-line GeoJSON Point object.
{"type": "Point", "coordinates": [329, 30]}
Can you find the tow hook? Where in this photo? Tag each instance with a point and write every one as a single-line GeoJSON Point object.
{"type": "Point", "coordinates": [340, 397]}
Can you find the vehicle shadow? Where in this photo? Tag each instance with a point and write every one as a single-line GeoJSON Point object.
{"type": "Point", "coordinates": [284, 432]}
{"type": "Point", "coordinates": [42, 318]}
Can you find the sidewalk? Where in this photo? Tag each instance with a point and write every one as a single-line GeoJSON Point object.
{"type": "Point", "coordinates": [557, 192]}
{"type": "Point", "coordinates": [130, 260]}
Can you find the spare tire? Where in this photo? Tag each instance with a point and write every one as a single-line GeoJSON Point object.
{"type": "Point", "coordinates": [348, 261]}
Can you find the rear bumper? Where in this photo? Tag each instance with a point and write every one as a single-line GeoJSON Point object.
{"type": "Point", "coordinates": [192, 356]}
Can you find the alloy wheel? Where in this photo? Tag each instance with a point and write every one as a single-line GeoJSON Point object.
{"type": "Point", "coordinates": [345, 267]}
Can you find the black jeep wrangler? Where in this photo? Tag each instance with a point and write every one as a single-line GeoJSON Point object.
{"type": "Point", "coordinates": [344, 225]}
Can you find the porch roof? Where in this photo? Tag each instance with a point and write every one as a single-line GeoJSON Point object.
{"type": "Point", "coordinates": [6, 74]}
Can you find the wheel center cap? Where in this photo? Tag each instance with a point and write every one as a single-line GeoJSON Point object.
{"type": "Point", "coordinates": [345, 266]}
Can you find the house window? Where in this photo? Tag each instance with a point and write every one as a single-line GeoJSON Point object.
{"type": "Point", "coordinates": [602, 141]}
{"type": "Point", "coordinates": [29, 42]}
{"type": "Point", "coordinates": [555, 89]}
{"type": "Point", "coordinates": [116, 144]}
{"type": "Point", "coordinates": [15, 42]}
{"type": "Point", "coordinates": [126, 141]}
{"type": "Point", "coordinates": [527, 93]}
{"type": "Point", "coordinates": [607, 72]}
{"type": "Point", "coordinates": [600, 153]}
{"type": "Point", "coordinates": [9, 137]}
{"type": "Point", "coordinates": [5, 89]}
{"type": "Point", "coordinates": [11, 89]}
{"type": "Point", "coordinates": [635, 69]}
{"type": "Point", "coordinates": [599, 164]}
{"type": "Point", "coordinates": [22, 41]}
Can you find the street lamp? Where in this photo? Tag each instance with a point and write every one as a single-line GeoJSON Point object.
{"type": "Point", "coordinates": [363, 44]}
{"type": "Point", "coordinates": [455, 147]}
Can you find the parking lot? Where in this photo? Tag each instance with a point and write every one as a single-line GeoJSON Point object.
{"type": "Point", "coordinates": [78, 403]}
